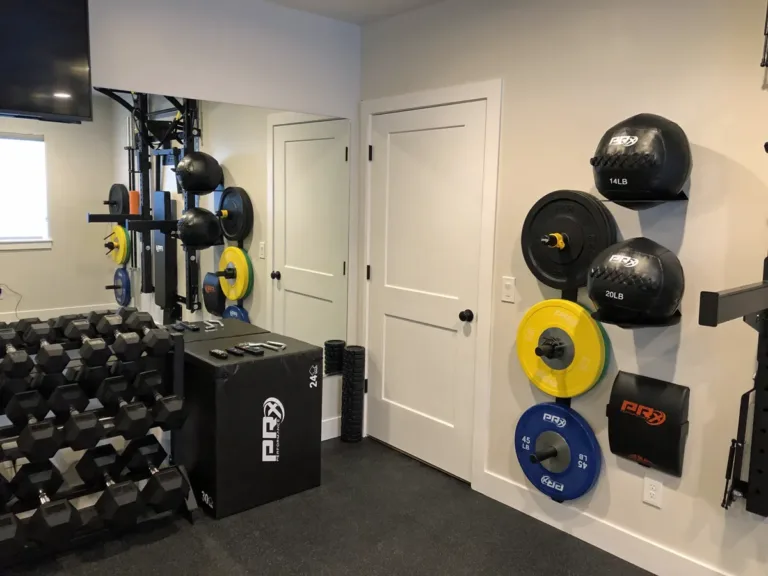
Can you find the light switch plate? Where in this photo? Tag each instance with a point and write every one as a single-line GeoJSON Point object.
{"type": "Point", "coordinates": [262, 250]}
{"type": "Point", "coordinates": [508, 289]}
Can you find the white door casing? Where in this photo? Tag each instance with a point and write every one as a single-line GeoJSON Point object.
{"type": "Point", "coordinates": [425, 216]}
{"type": "Point", "coordinates": [310, 230]}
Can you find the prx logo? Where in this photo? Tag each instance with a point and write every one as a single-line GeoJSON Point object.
{"type": "Point", "coordinates": [626, 260]}
{"type": "Point", "coordinates": [556, 420]}
{"type": "Point", "coordinates": [274, 415]}
{"type": "Point", "coordinates": [623, 141]}
{"type": "Point", "coordinates": [547, 481]}
{"type": "Point", "coordinates": [651, 416]}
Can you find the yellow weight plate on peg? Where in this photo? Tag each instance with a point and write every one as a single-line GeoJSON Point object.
{"type": "Point", "coordinates": [119, 245]}
{"type": "Point", "coordinates": [561, 348]}
{"type": "Point", "coordinates": [236, 260]}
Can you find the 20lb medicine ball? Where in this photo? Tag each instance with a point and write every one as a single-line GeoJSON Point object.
{"type": "Point", "coordinates": [199, 229]}
{"type": "Point", "coordinates": [637, 282]}
{"type": "Point", "coordinates": [199, 173]}
{"type": "Point", "coordinates": [642, 161]}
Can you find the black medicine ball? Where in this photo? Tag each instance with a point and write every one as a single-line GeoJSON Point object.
{"type": "Point", "coordinates": [199, 228]}
{"type": "Point", "coordinates": [199, 173]}
{"type": "Point", "coordinates": [636, 281]}
{"type": "Point", "coordinates": [642, 161]}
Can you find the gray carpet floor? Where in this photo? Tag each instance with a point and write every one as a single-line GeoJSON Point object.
{"type": "Point", "coordinates": [378, 512]}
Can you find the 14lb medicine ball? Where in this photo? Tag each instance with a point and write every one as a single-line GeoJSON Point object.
{"type": "Point", "coordinates": [199, 173]}
{"type": "Point", "coordinates": [199, 229]}
{"type": "Point", "coordinates": [636, 281]}
{"type": "Point", "coordinates": [642, 161]}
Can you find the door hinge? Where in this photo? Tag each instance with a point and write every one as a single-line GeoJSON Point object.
{"type": "Point", "coordinates": [366, 385]}
{"type": "Point", "coordinates": [346, 154]}
{"type": "Point", "coordinates": [345, 268]}
{"type": "Point", "coordinates": [368, 272]}
{"type": "Point", "coordinates": [370, 153]}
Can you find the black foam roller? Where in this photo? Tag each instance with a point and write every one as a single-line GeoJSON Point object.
{"type": "Point", "coordinates": [352, 394]}
{"type": "Point", "coordinates": [334, 356]}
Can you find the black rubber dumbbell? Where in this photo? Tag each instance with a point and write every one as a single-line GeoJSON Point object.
{"type": "Point", "coordinates": [89, 377]}
{"type": "Point", "coordinates": [156, 341]}
{"type": "Point", "coordinates": [128, 370]}
{"type": "Point", "coordinates": [16, 363]}
{"type": "Point", "coordinates": [21, 326]}
{"type": "Point", "coordinates": [59, 324]}
{"type": "Point", "coordinates": [126, 345]}
{"type": "Point", "coordinates": [120, 505]}
{"type": "Point", "coordinates": [12, 536]}
{"type": "Point", "coordinates": [94, 351]}
{"type": "Point", "coordinates": [167, 411]}
{"type": "Point", "coordinates": [54, 521]}
{"type": "Point", "coordinates": [82, 429]}
{"type": "Point", "coordinates": [167, 488]}
{"type": "Point", "coordinates": [51, 356]}
{"type": "Point", "coordinates": [39, 439]}
{"type": "Point", "coordinates": [132, 419]}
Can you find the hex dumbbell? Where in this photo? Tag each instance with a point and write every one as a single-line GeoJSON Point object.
{"type": "Point", "coordinates": [82, 429]}
{"type": "Point", "coordinates": [94, 351]}
{"type": "Point", "coordinates": [12, 535]}
{"type": "Point", "coordinates": [54, 521]}
{"type": "Point", "coordinates": [39, 439]}
{"type": "Point", "coordinates": [156, 341]}
{"type": "Point", "coordinates": [16, 363]}
{"type": "Point", "coordinates": [167, 411]}
{"type": "Point", "coordinates": [120, 504]}
{"type": "Point", "coordinates": [59, 324]}
{"type": "Point", "coordinates": [126, 345]}
{"type": "Point", "coordinates": [166, 489]}
{"type": "Point", "coordinates": [132, 419]}
{"type": "Point", "coordinates": [51, 357]}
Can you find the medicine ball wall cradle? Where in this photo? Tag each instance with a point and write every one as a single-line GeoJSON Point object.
{"type": "Point", "coordinates": [750, 303]}
{"type": "Point", "coordinates": [648, 422]}
{"type": "Point", "coordinates": [643, 161]}
{"type": "Point", "coordinates": [637, 283]}
{"type": "Point", "coordinates": [562, 234]}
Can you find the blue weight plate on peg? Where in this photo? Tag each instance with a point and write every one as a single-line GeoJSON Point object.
{"type": "Point", "coordinates": [558, 451]}
{"type": "Point", "coordinates": [122, 287]}
{"type": "Point", "coordinates": [237, 313]}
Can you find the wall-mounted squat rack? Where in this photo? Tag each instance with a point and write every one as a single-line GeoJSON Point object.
{"type": "Point", "coordinates": [751, 304]}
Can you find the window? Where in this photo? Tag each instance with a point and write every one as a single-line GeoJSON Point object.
{"type": "Point", "coordinates": [23, 189]}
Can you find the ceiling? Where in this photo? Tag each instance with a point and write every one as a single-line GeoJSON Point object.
{"type": "Point", "coordinates": [357, 11]}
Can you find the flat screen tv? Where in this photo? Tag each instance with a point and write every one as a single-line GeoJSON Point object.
{"type": "Point", "coordinates": [45, 60]}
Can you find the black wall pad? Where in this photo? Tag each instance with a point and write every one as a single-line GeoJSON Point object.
{"type": "Point", "coordinates": [648, 421]}
{"type": "Point", "coordinates": [353, 394]}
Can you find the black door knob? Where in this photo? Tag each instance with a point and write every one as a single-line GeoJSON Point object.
{"type": "Point", "coordinates": [466, 316]}
{"type": "Point", "coordinates": [275, 275]}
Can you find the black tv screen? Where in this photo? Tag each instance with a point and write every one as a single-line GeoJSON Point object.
{"type": "Point", "coordinates": [45, 60]}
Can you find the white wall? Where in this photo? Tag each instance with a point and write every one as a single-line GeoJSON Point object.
{"type": "Point", "coordinates": [73, 272]}
{"type": "Point", "coordinates": [237, 137]}
{"type": "Point", "coordinates": [237, 51]}
{"type": "Point", "coordinates": [570, 71]}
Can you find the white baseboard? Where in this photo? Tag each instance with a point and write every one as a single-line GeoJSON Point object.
{"type": "Point", "coordinates": [331, 428]}
{"type": "Point", "coordinates": [47, 313]}
{"type": "Point", "coordinates": [613, 539]}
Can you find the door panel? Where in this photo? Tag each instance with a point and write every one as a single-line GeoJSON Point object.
{"type": "Point", "coordinates": [311, 209]}
{"type": "Point", "coordinates": [425, 214]}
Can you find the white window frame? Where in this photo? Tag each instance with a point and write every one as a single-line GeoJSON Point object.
{"type": "Point", "coordinates": [44, 243]}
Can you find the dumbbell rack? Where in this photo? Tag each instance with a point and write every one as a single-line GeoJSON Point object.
{"type": "Point", "coordinates": [750, 303]}
{"type": "Point", "coordinates": [83, 496]}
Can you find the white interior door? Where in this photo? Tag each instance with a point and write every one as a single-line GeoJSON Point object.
{"type": "Point", "coordinates": [425, 212]}
{"type": "Point", "coordinates": [311, 224]}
